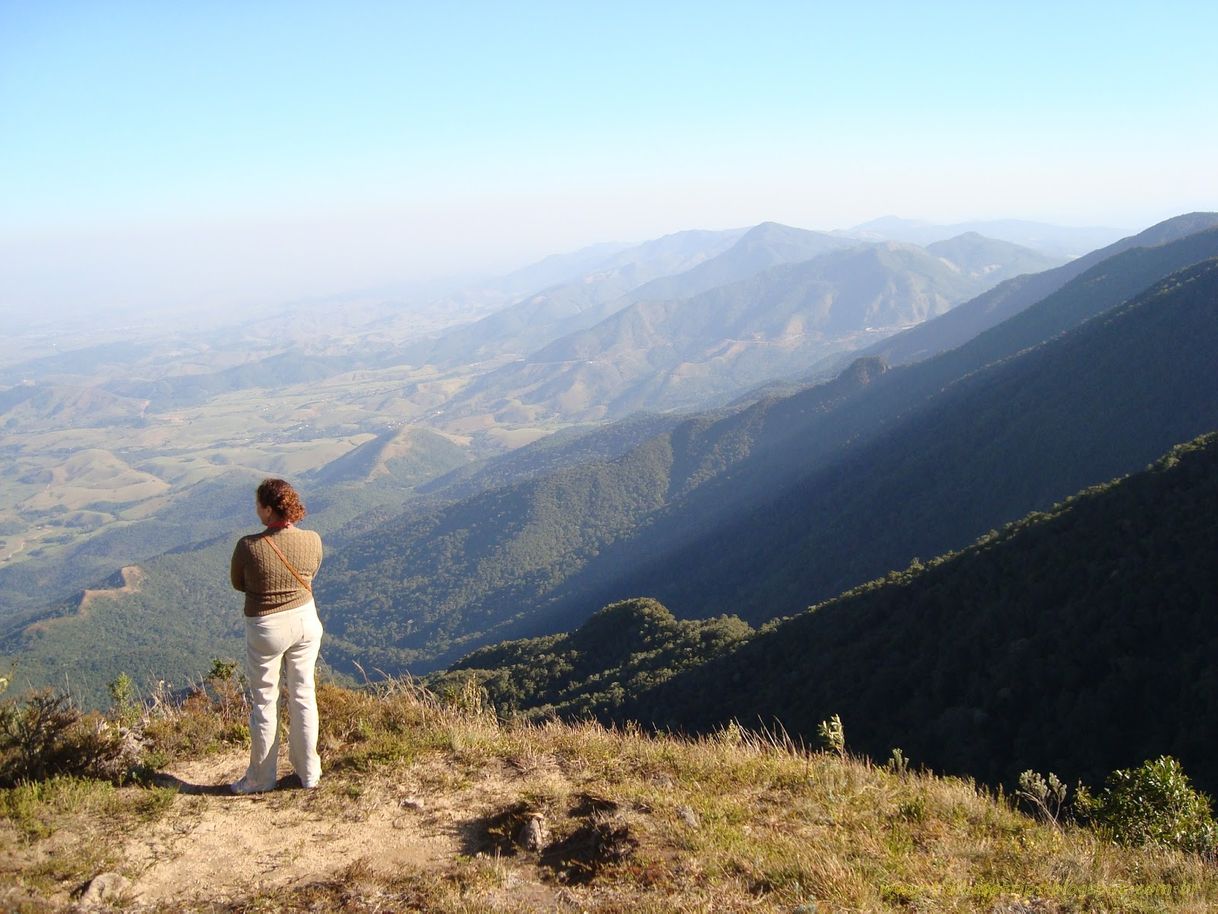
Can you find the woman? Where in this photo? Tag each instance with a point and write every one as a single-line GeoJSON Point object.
{"type": "Point", "coordinates": [275, 569]}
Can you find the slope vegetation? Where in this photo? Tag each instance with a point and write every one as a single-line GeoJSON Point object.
{"type": "Point", "coordinates": [435, 807]}
{"type": "Point", "coordinates": [1019, 435]}
{"type": "Point", "coordinates": [1075, 640]}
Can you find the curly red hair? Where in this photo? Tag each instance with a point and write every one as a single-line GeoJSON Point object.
{"type": "Point", "coordinates": [280, 497]}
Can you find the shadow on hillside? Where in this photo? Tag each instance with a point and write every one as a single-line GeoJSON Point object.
{"type": "Point", "coordinates": [161, 779]}
{"type": "Point", "coordinates": [164, 779]}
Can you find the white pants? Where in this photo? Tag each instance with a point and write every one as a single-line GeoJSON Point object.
{"type": "Point", "coordinates": [293, 638]}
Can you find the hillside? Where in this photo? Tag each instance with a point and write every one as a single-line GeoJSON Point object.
{"type": "Point", "coordinates": [32, 407]}
{"type": "Point", "coordinates": [569, 527]}
{"type": "Point", "coordinates": [552, 312]}
{"type": "Point", "coordinates": [489, 556]}
{"type": "Point", "coordinates": [976, 256]}
{"type": "Point", "coordinates": [621, 652]}
{"type": "Point", "coordinates": [435, 806]}
{"type": "Point", "coordinates": [288, 394]}
{"type": "Point", "coordinates": [406, 455]}
{"type": "Point", "coordinates": [761, 247]}
{"type": "Point", "coordinates": [1095, 403]}
{"type": "Point", "coordinates": [185, 614]}
{"type": "Point", "coordinates": [1076, 640]}
{"type": "Point", "coordinates": [1050, 239]}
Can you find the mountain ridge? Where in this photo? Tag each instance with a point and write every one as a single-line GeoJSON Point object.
{"type": "Point", "coordinates": [1009, 298]}
{"type": "Point", "coordinates": [1076, 410]}
{"type": "Point", "coordinates": [677, 353]}
{"type": "Point", "coordinates": [1100, 603]}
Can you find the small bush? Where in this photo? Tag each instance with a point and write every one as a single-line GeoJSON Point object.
{"type": "Point", "coordinates": [1153, 804]}
{"type": "Point", "coordinates": [225, 684]}
{"type": "Point", "coordinates": [44, 735]}
{"type": "Point", "coordinates": [196, 726]}
{"type": "Point", "coordinates": [214, 714]}
{"type": "Point", "coordinates": [833, 735]}
{"type": "Point", "coordinates": [468, 696]}
{"type": "Point", "coordinates": [126, 706]}
{"type": "Point", "coordinates": [1046, 797]}
{"type": "Point", "coordinates": [897, 763]}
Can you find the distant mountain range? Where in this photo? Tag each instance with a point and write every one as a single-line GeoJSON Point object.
{"type": "Point", "coordinates": [774, 303]}
{"type": "Point", "coordinates": [665, 527]}
{"type": "Point", "coordinates": [1054, 240]}
{"type": "Point", "coordinates": [684, 321]}
{"type": "Point", "coordinates": [929, 457]}
{"type": "Point", "coordinates": [1013, 296]}
{"type": "Point", "coordinates": [790, 501]}
{"type": "Point", "coordinates": [575, 303]}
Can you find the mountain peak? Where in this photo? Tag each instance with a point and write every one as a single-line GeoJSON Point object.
{"type": "Point", "coordinates": [765, 231]}
{"type": "Point", "coordinates": [1177, 227]}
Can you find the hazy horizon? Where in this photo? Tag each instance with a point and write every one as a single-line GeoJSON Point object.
{"type": "Point", "coordinates": [223, 157]}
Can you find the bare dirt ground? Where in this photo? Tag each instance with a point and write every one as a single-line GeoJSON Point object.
{"type": "Point", "coordinates": [217, 846]}
{"type": "Point", "coordinates": [132, 577]}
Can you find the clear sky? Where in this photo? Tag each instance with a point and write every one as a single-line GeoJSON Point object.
{"type": "Point", "coordinates": [219, 153]}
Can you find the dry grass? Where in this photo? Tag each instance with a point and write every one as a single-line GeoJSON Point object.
{"type": "Point", "coordinates": [633, 823]}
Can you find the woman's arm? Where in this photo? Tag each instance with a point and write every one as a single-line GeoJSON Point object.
{"type": "Point", "coordinates": [237, 567]}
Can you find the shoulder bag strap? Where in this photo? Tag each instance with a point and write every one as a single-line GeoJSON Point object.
{"type": "Point", "coordinates": [296, 574]}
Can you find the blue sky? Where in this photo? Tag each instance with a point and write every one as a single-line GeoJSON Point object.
{"type": "Point", "coordinates": [228, 152]}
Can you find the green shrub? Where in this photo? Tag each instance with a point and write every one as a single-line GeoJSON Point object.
{"type": "Point", "coordinates": [1046, 797]}
{"type": "Point", "coordinates": [125, 706]}
{"type": "Point", "coordinates": [833, 735]}
{"type": "Point", "coordinates": [44, 735]}
{"type": "Point", "coordinates": [1152, 804]}
{"type": "Point", "coordinates": [213, 715]}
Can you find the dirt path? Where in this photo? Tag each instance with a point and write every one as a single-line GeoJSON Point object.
{"type": "Point", "coordinates": [218, 846]}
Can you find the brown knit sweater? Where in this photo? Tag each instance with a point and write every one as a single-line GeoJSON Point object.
{"type": "Point", "coordinates": [260, 574]}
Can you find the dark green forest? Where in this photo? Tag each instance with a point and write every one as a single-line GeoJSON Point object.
{"type": "Point", "coordinates": [622, 651]}
{"type": "Point", "coordinates": [1076, 640]}
{"type": "Point", "coordinates": [1020, 435]}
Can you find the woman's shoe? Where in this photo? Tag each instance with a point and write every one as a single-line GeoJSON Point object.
{"type": "Point", "coordinates": [243, 787]}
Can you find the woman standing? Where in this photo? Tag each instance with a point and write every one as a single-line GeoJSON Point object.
{"type": "Point", "coordinates": [275, 569]}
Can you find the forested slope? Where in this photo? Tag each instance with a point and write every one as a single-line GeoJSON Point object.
{"type": "Point", "coordinates": [755, 512]}
{"type": "Point", "coordinates": [1077, 640]}
{"type": "Point", "coordinates": [1020, 435]}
